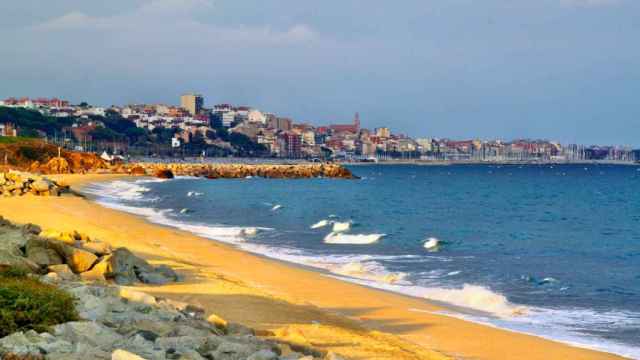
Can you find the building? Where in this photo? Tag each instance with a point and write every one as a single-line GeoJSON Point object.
{"type": "Point", "coordinates": [193, 103]}
{"type": "Point", "coordinates": [279, 123]}
{"type": "Point", "coordinates": [351, 128]}
{"type": "Point", "coordinates": [383, 132]}
{"type": "Point", "coordinates": [290, 145]}
{"type": "Point", "coordinates": [8, 129]}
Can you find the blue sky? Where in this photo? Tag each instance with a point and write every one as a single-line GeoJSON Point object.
{"type": "Point", "coordinates": [566, 70]}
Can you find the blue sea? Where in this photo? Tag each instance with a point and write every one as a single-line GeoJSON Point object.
{"type": "Point", "coordinates": [550, 250]}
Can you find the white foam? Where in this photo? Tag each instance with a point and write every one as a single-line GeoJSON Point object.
{"type": "Point", "coordinates": [249, 231]}
{"type": "Point", "coordinates": [341, 226]}
{"type": "Point", "coordinates": [276, 207]}
{"type": "Point", "coordinates": [432, 244]}
{"type": "Point", "coordinates": [355, 239]}
{"type": "Point", "coordinates": [194, 194]}
{"type": "Point", "coordinates": [368, 271]}
{"type": "Point", "coordinates": [477, 298]}
{"type": "Point", "coordinates": [320, 224]}
{"type": "Point", "coordinates": [121, 190]}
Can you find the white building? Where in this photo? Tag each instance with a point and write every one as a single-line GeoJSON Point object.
{"type": "Point", "coordinates": [256, 116]}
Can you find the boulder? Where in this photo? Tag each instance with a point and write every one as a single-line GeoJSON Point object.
{"type": "Point", "coordinates": [31, 229]}
{"type": "Point", "coordinates": [97, 247]}
{"type": "Point", "coordinates": [164, 174]}
{"type": "Point", "coordinates": [63, 271]}
{"type": "Point", "coordinates": [120, 354]}
{"type": "Point", "coordinates": [93, 275]}
{"type": "Point", "coordinates": [41, 252]}
{"type": "Point", "coordinates": [65, 237]}
{"type": "Point", "coordinates": [10, 261]}
{"type": "Point", "coordinates": [126, 268]}
{"type": "Point", "coordinates": [41, 185]}
{"type": "Point", "coordinates": [78, 260]}
{"type": "Point", "coordinates": [263, 355]}
{"type": "Point", "coordinates": [217, 322]}
{"type": "Point", "coordinates": [137, 297]}
{"type": "Point", "coordinates": [91, 333]}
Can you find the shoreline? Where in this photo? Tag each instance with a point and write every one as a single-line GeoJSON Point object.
{"type": "Point", "coordinates": [355, 311]}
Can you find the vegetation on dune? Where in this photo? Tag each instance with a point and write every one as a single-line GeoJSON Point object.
{"type": "Point", "coordinates": [30, 122]}
{"type": "Point", "coordinates": [28, 304]}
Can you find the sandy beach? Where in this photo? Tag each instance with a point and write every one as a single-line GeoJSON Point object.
{"type": "Point", "coordinates": [295, 303]}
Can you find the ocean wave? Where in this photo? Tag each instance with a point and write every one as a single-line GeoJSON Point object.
{"type": "Point", "coordinates": [432, 244]}
{"type": "Point", "coordinates": [341, 226]}
{"type": "Point", "coordinates": [228, 234]}
{"type": "Point", "coordinates": [320, 224]}
{"type": "Point", "coordinates": [353, 239]}
{"type": "Point", "coordinates": [477, 298]}
{"type": "Point", "coordinates": [121, 190]}
{"type": "Point", "coordinates": [573, 326]}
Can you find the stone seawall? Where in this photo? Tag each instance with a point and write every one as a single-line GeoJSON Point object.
{"type": "Point", "coordinates": [238, 171]}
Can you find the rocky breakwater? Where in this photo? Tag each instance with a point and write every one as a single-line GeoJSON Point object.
{"type": "Point", "coordinates": [118, 322]}
{"type": "Point", "coordinates": [16, 183]}
{"type": "Point", "coordinates": [240, 171]}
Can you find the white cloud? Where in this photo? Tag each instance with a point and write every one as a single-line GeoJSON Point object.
{"type": "Point", "coordinates": [173, 22]}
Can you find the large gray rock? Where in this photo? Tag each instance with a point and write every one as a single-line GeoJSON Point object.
{"type": "Point", "coordinates": [41, 252]}
{"type": "Point", "coordinates": [92, 334]}
{"type": "Point", "coordinates": [126, 268]}
{"type": "Point", "coordinates": [63, 271]}
{"type": "Point", "coordinates": [41, 185]}
{"type": "Point", "coordinates": [32, 343]}
{"type": "Point", "coordinates": [8, 261]}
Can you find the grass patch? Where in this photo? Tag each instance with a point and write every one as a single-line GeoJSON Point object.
{"type": "Point", "coordinates": [28, 304]}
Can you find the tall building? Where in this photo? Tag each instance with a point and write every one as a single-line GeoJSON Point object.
{"type": "Point", "coordinates": [193, 103]}
{"type": "Point", "coordinates": [383, 132]}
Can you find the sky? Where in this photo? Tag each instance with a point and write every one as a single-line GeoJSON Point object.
{"type": "Point", "coordinates": [563, 70]}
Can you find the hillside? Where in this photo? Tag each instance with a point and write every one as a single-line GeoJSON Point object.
{"type": "Point", "coordinates": [38, 156]}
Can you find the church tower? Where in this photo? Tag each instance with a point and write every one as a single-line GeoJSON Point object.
{"type": "Point", "coordinates": [356, 122]}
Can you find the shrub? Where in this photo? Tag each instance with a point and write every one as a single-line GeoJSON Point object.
{"type": "Point", "coordinates": [28, 304]}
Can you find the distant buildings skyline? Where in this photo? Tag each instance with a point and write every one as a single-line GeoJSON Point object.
{"type": "Point", "coordinates": [284, 137]}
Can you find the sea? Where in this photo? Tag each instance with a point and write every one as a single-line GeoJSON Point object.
{"type": "Point", "coordinates": [548, 250]}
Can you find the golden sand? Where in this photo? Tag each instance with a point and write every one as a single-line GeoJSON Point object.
{"type": "Point", "coordinates": [297, 304]}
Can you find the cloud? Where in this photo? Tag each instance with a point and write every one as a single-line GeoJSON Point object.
{"type": "Point", "coordinates": [173, 21]}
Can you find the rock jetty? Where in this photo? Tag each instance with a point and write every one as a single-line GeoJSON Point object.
{"type": "Point", "coordinates": [119, 322]}
{"type": "Point", "coordinates": [240, 171]}
{"type": "Point", "coordinates": [16, 183]}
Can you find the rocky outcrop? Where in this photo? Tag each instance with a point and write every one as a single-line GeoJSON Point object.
{"type": "Point", "coordinates": [16, 183]}
{"type": "Point", "coordinates": [35, 250]}
{"type": "Point", "coordinates": [241, 171]}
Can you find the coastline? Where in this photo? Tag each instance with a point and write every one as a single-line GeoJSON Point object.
{"type": "Point", "coordinates": [492, 162]}
{"type": "Point", "coordinates": [292, 301]}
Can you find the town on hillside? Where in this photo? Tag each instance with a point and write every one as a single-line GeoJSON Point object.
{"type": "Point", "coordinates": [192, 129]}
